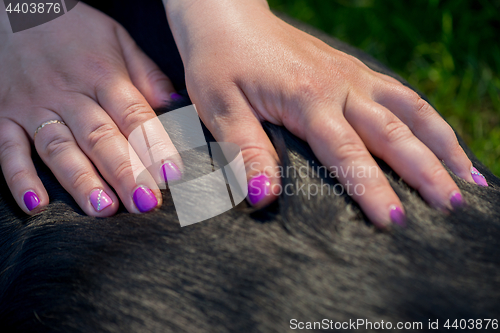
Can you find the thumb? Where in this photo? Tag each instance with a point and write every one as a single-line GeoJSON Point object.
{"type": "Point", "coordinates": [146, 76]}
{"type": "Point", "coordinates": [238, 124]}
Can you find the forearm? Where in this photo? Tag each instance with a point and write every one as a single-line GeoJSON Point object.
{"type": "Point", "coordinates": [194, 22]}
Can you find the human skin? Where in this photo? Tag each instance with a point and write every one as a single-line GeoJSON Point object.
{"type": "Point", "coordinates": [84, 69]}
{"type": "Point", "coordinates": [245, 66]}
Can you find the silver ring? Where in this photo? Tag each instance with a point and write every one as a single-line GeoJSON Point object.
{"type": "Point", "coordinates": [55, 121]}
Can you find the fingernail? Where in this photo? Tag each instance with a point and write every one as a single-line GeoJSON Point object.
{"type": "Point", "coordinates": [31, 200]}
{"type": "Point", "coordinates": [478, 177]}
{"type": "Point", "coordinates": [456, 200]}
{"type": "Point", "coordinates": [175, 96]}
{"type": "Point", "coordinates": [170, 172]}
{"type": "Point", "coordinates": [258, 188]}
{"type": "Point", "coordinates": [100, 200]}
{"type": "Point", "coordinates": [144, 199]}
{"type": "Point", "coordinates": [397, 216]}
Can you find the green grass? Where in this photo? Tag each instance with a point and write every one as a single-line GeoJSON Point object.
{"type": "Point", "coordinates": [448, 49]}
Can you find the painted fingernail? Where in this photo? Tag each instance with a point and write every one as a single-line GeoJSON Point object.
{"type": "Point", "coordinates": [258, 188]}
{"type": "Point", "coordinates": [456, 200]}
{"type": "Point", "coordinates": [170, 172]}
{"type": "Point", "coordinates": [478, 177]}
{"type": "Point", "coordinates": [397, 216]}
{"type": "Point", "coordinates": [31, 200]}
{"type": "Point", "coordinates": [100, 200]}
{"type": "Point", "coordinates": [144, 199]}
{"type": "Point", "coordinates": [175, 96]}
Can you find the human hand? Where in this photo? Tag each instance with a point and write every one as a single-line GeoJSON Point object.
{"type": "Point", "coordinates": [82, 69]}
{"type": "Point", "coordinates": [244, 66]}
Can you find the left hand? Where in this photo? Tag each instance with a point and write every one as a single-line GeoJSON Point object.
{"type": "Point", "coordinates": [83, 70]}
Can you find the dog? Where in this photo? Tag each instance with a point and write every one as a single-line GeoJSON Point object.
{"type": "Point", "coordinates": [303, 263]}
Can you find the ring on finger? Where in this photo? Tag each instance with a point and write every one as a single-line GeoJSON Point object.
{"type": "Point", "coordinates": [49, 122]}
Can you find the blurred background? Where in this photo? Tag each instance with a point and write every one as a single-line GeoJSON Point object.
{"type": "Point", "coordinates": [447, 49]}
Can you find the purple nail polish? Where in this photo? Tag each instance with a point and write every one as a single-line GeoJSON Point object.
{"type": "Point", "coordinates": [456, 200]}
{"type": "Point", "coordinates": [170, 172]}
{"type": "Point", "coordinates": [144, 199]}
{"type": "Point", "coordinates": [100, 200]}
{"type": "Point", "coordinates": [478, 177]}
{"type": "Point", "coordinates": [31, 200]}
{"type": "Point", "coordinates": [258, 188]}
{"type": "Point", "coordinates": [175, 96]}
{"type": "Point", "coordinates": [397, 216]}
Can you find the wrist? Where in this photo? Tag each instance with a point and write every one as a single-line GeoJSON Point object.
{"type": "Point", "coordinates": [194, 22]}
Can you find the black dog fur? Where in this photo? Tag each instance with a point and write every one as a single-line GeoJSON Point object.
{"type": "Point", "coordinates": [246, 270]}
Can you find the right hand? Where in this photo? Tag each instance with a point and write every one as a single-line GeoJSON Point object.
{"type": "Point", "coordinates": [82, 68]}
{"type": "Point", "coordinates": [245, 66]}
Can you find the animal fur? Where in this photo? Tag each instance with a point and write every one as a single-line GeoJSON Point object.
{"type": "Point", "coordinates": [246, 270]}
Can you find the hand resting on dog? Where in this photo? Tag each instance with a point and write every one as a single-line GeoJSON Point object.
{"type": "Point", "coordinates": [243, 66]}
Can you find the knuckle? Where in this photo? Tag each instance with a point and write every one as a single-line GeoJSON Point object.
{"type": "Point", "coordinates": [378, 189]}
{"type": "Point", "coordinates": [422, 109]}
{"type": "Point", "coordinates": [306, 87]}
{"type": "Point", "coordinates": [65, 80]}
{"type": "Point", "coordinates": [253, 157]}
{"type": "Point", "coordinates": [55, 145]}
{"type": "Point", "coordinates": [18, 176]}
{"type": "Point", "coordinates": [81, 178]}
{"type": "Point", "coordinates": [350, 151]}
{"type": "Point", "coordinates": [393, 83]}
{"type": "Point", "coordinates": [435, 175]}
{"type": "Point", "coordinates": [251, 153]}
{"type": "Point", "coordinates": [101, 133]}
{"type": "Point", "coordinates": [456, 148]}
{"type": "Point", "coordinates": [451, 138]}
{"type": "Point", "coordinates": [124, 171]}
{"type": "Point", "coordinates": [8, 147]}
{"type": "Point", "coordinates": [156, 76]}
{"type": "Point", "coordinates": [352, 62]}
{"type": "Point", "coordinates": [98, 67]}
{"type": "Point", "coordinates": [309, 86]}
{"type": "Point", "coordinates": [136, 113]}
{"type": "Point", "coordinates": [454, 155]}
{"type": "Point", "coordinates": [348, 67]}
{"type": "Point", "coordinates": [160, 147]}
{"type": "Point", "coordinates": [356, 61]}
{"type": "Point", "coordinates": [395, 131]}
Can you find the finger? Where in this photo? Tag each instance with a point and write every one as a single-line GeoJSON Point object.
{"type": "Point", "coordinates": [339, 148]}
{"type": "Point", "coordinates": [427, 125]}
{"type": "Point", "coordinates": [259, 155]}
{"type": "Point", "coordinates": [101, 140]}
{"type": "Point", "coordinates": [145, 74]}
{"type": "Point", "coordinates": [132, 114]}
{"type": "Point", "coordinates": [57, 148]}
{"type": "Point", "coordinates": [18, 168]}
{"type": "Point", "coordinates": [391, 140]}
